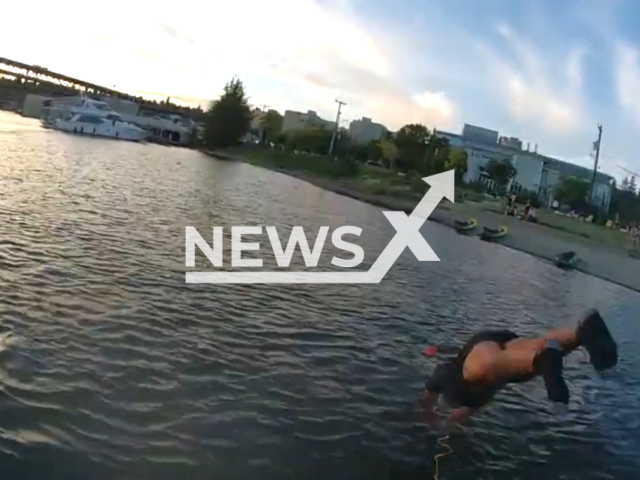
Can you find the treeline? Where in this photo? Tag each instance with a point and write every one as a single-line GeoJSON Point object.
{"type": "Point", "coordinates": [626, 201]}
{"type": "Point", "coordinates": [414, 148]}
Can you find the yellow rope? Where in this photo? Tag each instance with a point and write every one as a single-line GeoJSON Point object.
{"type": "Point", "coordinates": [442, 443]}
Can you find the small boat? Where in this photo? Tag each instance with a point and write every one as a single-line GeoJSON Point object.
{"type": "Point", "coordinates": [493, 233]}
{"type": "Point", "coordinates": [465, 226]}
{"type": "Point", "coordinates": [567, 260]}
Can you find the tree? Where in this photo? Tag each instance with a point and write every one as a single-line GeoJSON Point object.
{"type": "Point", "coordinates": [412, 140]}
{"type": "Point", "coordinates": [457, 160]}
{"type": "Point", "coordinates": [228, 118]}
{"type": "Point", "coordinates": [629, 184]}
{"type": "Point", "coordinates": [436, 155]}
{"type": "Point", "coordinates": [413, 133]}
{"type": "Point", "coordinates": [271, 124]}
{"type": "Point", "coordinates": [313, 140]}
{"type": "Point", "coordinates": [374, 151]}
{"type": "Point", "coordinates": [389, 152]}
{"type": "Point", "coordinates": [572, 191]}
{"type": "Point", "coordinates": [500, 171]}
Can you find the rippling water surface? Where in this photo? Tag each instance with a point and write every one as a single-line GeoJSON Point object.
{"type": "Point", "coordinates": [112, 367]}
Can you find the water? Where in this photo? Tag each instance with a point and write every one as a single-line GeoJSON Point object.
{"type": "Point", "coordinates": [112, 367]}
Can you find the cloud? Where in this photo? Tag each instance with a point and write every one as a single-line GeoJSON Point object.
{"type": "Point", "coordinates": [334, 57]}
{"type": "Point", "coordinates": [315, 52]}
{"type": "Point", "coordinates": [627, 78]}
{"type": "Point", "coordinates": [532, 91]}
{"type": "Point", "coordinates": [441, 65]}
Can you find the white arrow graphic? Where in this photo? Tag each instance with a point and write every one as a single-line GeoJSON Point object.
{"type": "Point", "coordinates": [407, 235]}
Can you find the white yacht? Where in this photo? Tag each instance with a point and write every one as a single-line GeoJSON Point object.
{"type": "Point", "coordinates": [90, 117]}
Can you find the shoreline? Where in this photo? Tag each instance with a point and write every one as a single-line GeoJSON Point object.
{"type": "Point", "coordinates": [598, 260]}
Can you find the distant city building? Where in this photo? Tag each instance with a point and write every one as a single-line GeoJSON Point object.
{"type": "Point", "coordinates": [365, 131]}
{"type": "Point", "coordinates": [535, 172]}
{"type": "Point", "coordinates": [257, 116]}
{"type": "Point", "coordinates": [299, 121]}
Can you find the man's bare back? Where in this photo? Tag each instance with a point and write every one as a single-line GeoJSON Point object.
{"type": "Point", "coordinates": [492, 359]}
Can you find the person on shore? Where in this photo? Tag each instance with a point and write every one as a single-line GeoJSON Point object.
{"type": "Point", "coordinates": [492, 359]}
{"type": "Point", "coordinates": [531, 215]}
{"type": "Point", "coordinates": [509, 208]}
{"type": "Point", "coordinates": [633, 234]}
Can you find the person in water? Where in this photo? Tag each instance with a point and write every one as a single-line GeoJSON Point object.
{"type": "Point", "coordinates": [493, 358]}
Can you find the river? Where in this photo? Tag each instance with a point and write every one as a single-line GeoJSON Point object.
{"type": "Point", "coordinates": [111, 366]}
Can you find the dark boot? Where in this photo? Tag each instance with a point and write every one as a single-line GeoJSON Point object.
{"type": "Point", "coordinates": [595, 337]}
{"type": "Point", "coordinates": [548, 364]}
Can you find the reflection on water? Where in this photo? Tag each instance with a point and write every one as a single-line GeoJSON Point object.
{"type": "Point", "coordinates": [112, 367]}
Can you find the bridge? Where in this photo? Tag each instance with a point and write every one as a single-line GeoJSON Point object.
{"type": "Point", "coordinates": [37, 76]}
{"type": "Point", "coordinates": [34, 73]}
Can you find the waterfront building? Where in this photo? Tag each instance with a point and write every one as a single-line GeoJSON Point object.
{"type": "Point", "coordinates": [365, 131]}
{"type": "Point", "coordinates": [535, 172]}
{"type": "Point", "coordinates": [298, 121]}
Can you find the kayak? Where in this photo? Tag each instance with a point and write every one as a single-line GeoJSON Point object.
{"type": "Point", "coordinates": [567, 260]}
{"type": "Point", "coordinates": [465, 226]}
{"type": "Point", "coordinates": [493, 233]}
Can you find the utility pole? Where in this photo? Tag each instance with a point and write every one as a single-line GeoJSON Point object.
{"type": "Point", "coordinates": [595, 163]}
{"type": "Point", "coordinates": [263, 135]}
{"type": "Point", "coordinates": [337, 125]}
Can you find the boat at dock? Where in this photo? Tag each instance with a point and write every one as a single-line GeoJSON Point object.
{"type": "Point", "coordinates": [87, 124]}
{"type": "Point", "coordinates": [86, 116]}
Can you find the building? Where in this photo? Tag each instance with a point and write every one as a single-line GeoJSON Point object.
{"type": "Point", "coordinates": [299, 121]}
{"type": "Point", "coordinates": [257, 116]}
{"type": "Point", "coordinates": [365, 131]}
{"type": "Point", "coordinates": [535, 172]}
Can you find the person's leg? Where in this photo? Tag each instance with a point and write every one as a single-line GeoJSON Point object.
{"type": "Point", "coordinates": [516, 359]}
{"type": "Point", "coordinates": [523, 358]}
{"type": "Point", "coordinates": [591, 333]}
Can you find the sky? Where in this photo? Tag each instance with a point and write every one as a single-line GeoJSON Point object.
{"type": "Point", "coordinates": [546, 71]}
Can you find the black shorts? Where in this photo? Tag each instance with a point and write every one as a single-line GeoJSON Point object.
{"type": "Point", "coordinates": [447, 378]}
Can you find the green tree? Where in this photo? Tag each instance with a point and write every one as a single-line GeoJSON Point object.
{"type": "Point", "coordinates": [436, 155]}
{"type": "Point", "coordinates": [500, 171]}
{"type": "Point", "coordinates": [389, 152]}
{"type": "Point", "coordinates": [271, 124]}
{"type": "Point", "coordinates": [228, 118]}
{"type": "Point", "coordinates": [457, 160]}
{"type": "Point", "coordinates": [625, 203]}
{"type": "Point", "coordinates": [629, 184]}
{"type": "Point", "coordinates": [312, 140]}
{"type": "Point", "coordinates": [572, 191]}
{"type": "Point", "coordinates": [374, 151]}
{"type": "Point", "coordinates": [412, 142]}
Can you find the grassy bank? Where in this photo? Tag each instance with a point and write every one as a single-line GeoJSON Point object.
{"type": "Point", "coordinates": [391, 189]}
{"type": "Point", "coordinates": [366, 179]}
{"type": "Point", "coordinates": [586, 230]}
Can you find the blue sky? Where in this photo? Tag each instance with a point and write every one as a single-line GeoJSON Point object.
{"type": "Point", "coordinates": [547, 71]}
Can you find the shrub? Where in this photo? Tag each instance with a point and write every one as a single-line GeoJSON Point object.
{"type": "Point", "coordinates": [418, 185]}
